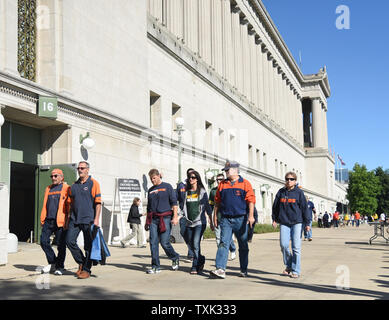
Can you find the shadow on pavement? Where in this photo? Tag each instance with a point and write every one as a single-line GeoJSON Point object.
{"type": "Point", "coordinates": [22, 290]}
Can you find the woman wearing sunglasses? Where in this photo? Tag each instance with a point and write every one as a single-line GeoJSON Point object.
{"type": "Point", "coordinates": [194, 207]}
{"type": "Point", "coordinates": [290, 211]}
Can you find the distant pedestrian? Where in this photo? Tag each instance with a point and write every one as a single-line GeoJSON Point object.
{"type": "Point", "coordinates": [232, 198]}
{"type": "Point", "coordinates": [290, 211]}
{"type": "Point", "coordinates": [55, 219]}
{"type": "Point", "coordinates": [352, 219]}
{"type": "Point", "coordinates": [135, 224]}
{"type": "Point", "coordinates": [347, 219]}
{"type": "Point", "coordinates": [180, 198]}
{"type": "Point", "coordinates": [85, 211]}
{"type": "Point", "coordinates": [195, 207]}
{"type": "Point", "coordinates": [212, 194]}
{"type": "Point", "coordinates": [326, 219]}
{"type": "Point", "coordinates": [320, 220]}
{"type": "Point", "coordinates": [336, 219]}
{"type": "Point", "coordinates": [357, 218]}
{"type": "Point", "coordinates": [311, 211]}
{"type": "Point", "coordinates": [161, 214]}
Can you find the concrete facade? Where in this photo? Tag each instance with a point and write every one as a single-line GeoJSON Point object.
{"type": "Point", "coordinates": [124, 71]}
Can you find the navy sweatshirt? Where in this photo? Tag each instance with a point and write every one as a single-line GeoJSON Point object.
{"type": "Point", "coordinates": [290, 207]}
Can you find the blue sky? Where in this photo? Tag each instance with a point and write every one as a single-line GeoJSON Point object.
{"type": "Point", "coordinates": [357, 63]}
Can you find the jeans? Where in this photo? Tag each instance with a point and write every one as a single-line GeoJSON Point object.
{"type": "Point", "coordinates": [136, 232]}
{"type": "Point", "coordinates": [71, 241]}
{"type": "Point", "coordinates": [232, 247]}
{"type": "Point", "coordinates": [184, 235]}
{"type": "Point", "coordinates": [239, 227]}
{"type": "Point", "coordinates": [287, 234]}
{"type": "Point", "coordinates": [307, 235]}
{"type": "Point", "coordinates": [49, 227]}
{"type": "Point", "coordinates": [157, 237]}
{"type": "Point", "coordinates": [194, 236]}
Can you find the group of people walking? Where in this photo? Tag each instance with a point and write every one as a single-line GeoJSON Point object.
{"type": "Point", "coordinates": [229, 210]}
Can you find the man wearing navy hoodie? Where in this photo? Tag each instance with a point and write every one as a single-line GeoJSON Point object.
{"type": "Point", "coordinates": [290, 211]}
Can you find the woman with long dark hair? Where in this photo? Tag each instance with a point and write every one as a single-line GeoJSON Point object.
{"type": "Point", "coordinates": [195, 205]}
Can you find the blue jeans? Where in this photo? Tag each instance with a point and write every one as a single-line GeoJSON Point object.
{"type": "Point", "coordinates": [291, 259]}
{"type": "Point", "coordinates": [307, 235]}
{"type": "Point", "coordinates": [184, 235]}
{"type": "Point", "coordinates": [217, 234]}
{"type": "Point", "coordinates": [71, 241]}
{"type": "Point", "coordinates": [194, 236]}
{"type": "Point", "coordinates": [238, 226]}
{"type": "Point", "coordinates": [48, 228]}
{"type": "Point", "coordinates": [156, 237]}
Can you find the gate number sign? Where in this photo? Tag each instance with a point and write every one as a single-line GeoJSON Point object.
{"type": "Point", "coordinates": [47, 107]}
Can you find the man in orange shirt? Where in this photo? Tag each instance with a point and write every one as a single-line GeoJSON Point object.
{"type": "Point", "coordinates": [235, 202]}
{"type": "Point", "coordinates": [357, 218]}
{"type": "Point", "coordinates": [54, 218]}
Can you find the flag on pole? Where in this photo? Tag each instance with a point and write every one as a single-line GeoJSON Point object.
{"type": "Point", "coordinates": [341, 161]}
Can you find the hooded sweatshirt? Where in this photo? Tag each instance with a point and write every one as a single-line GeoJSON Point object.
{"type": "Point", "coordinates": [290, 207]}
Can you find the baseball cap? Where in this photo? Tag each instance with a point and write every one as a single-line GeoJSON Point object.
{"type": "Point", "coordinates": [57, 171]}
{"type": "Point", "coordinates": [230, 164]}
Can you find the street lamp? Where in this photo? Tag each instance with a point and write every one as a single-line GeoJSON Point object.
{"type": "Point", "coordinates": [87, 142]}
{"type": "Point", "coordinates": [180, 129]}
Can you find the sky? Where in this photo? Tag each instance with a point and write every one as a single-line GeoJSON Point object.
{"type": "Point", "coordinates": [357, 61]}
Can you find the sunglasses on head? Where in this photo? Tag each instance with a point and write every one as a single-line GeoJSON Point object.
{"type": "Point", "coordinates": [290, 179]}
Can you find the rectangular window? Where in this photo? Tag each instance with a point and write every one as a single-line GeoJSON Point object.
{"type": "Point", "coordinates": [264, 162]}
{"type": "Point", "coordinates": [208, 137]}
{"type": "Point", "coordinates": [276, 168]}
{"type": "Point", "coordinates": [222, 143]}
{"type": "Point", "coordinates": [250, 156]}
{"type": "Point", "coordinates": [155, 111]}
{"type": "Point", "coordinates": [176, 113]}
{"type": "Point", "coordinates": [258, 159]}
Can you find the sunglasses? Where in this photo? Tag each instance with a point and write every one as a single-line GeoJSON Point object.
{"type": "Point", "coordinates": [290, 179]}
{"type": "Point", "coordinates": [219, 179]}
{"type": "Point", "coordinates": [192, 177]}
{"type": "Point", "coordinates": [54, 175]}
{"type": "Point", "coordinates": [82, 168]}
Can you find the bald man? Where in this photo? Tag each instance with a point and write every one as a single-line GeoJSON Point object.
{"type": "Point", "coordinates": [54, 219]}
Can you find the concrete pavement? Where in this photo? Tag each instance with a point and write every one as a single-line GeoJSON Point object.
{"type": "Point", "coordinates": [335, 258]}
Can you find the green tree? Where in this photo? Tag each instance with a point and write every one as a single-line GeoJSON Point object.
{"type": "Point", "coordinates": [383, 196]}
{"type": "Point", "coordinates": [363, 190]}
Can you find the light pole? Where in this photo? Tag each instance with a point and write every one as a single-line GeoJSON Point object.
{"type": "Point", "coordinates": [180, 129]}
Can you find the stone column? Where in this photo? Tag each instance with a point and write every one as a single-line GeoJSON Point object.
{"type": "Point", "coordinates": [254, 70]}
{"type": "Point", "coordinates": [271, 87]}
{"type": "Point", "coordinates": [9, 36]}
{"type": "Point", "coordinates": [4, 215]}
{"type": "Point", "coordinates": [317, 124]}
{"type": "Point", "coordinates": [325, 130]}
{"type": "Point", "coordinates": [265, 81]}
{"type": "Point", "coordinates": [227, 49]}
{"type": "Point", "coordinates": [259, 87]}
{"type": "Point", "coordinates": [205, 30]}
{"type": "Point", "coordinates": [216, 35]}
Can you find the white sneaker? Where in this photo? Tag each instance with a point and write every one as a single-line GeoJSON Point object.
{"type": "Point", "coordinates": [47, 268]}
{"type": "Point", "coordinates": [153, 270]}
{"type": "Point", "coordinates": [218, 273]}
{"type": "Point", "coordinates": [233, 255]}
{"type": "Point", "coordinates": [59, 272]}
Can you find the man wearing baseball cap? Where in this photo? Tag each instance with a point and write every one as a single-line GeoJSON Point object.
{"type": "Point", "coordinates": [54, 218]}
{"type": "Point", "coordinates": [234, 200]}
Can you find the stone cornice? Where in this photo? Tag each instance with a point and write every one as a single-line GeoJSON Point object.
{"type": "Point", "coordinates": [321, 78]}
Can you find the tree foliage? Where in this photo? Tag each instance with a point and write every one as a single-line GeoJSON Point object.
{"type": "Point", "coordinates": [363, 190]}
{"type": "Point", "coordinates": [383, 196]}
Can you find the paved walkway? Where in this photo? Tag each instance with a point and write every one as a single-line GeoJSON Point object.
{"type": "Point", "coordinates": [335, 258]}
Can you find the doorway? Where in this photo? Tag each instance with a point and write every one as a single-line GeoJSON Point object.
{"type": "Point", "coordinates": [22, 200]}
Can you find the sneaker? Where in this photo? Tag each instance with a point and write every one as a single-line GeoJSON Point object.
{"type": "Point", "coordinates": [310, 239]}
{"type": "Point", "coordinates": [48, 268]}
{"type": "Point", "coordinates": [243, 274]}
{"type": "Point", "coordinates": [233, 255]}
{"type": "Point", "coordinates": [153, 270]}
{"type": "Point", "coordinates": [175, 264]}
{"type": "Point", "coordinates": [122, 244]}
{"type": "Point", "coordinates": [218, 273]}
{"type": "Point", "coordinates": [59, 271]}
